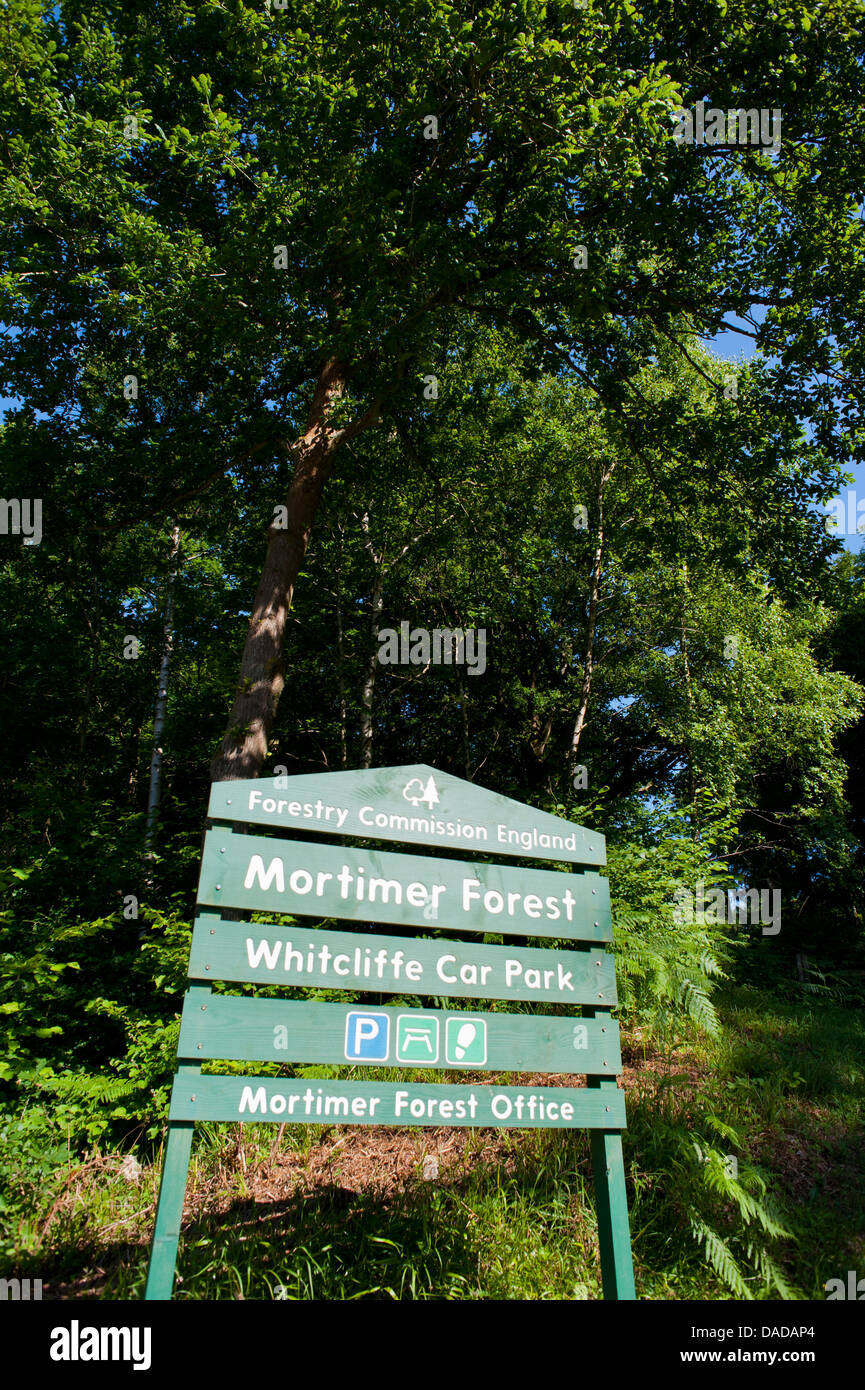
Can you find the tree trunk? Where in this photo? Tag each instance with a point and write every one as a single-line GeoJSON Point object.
{"type": "Point", "coordinates": [464, 717]}
{"type": "Point", "coordinates": [161, 698]}
{"type": "Point", "coordinates": [244, 747]}
{"type": "Point", "coordinates": [340, 659]}
{"type": "Point", "coordinates": [91, 684]}
{"type": "Point", "coordinates": [689, 746]}
{"type": "Point", "coordinates": [367, 690]}
{"type": "Point", "coordinates": [381, 568]}
{"type": "Point", "coordinates": [543, 740]}
{"type": "Point", "coordinates": [594, 593]}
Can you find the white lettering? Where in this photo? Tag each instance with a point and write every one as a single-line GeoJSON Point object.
{"type": "Point", "coordinates": [440, 964]}
{"type": "Point", "coordinates": [275, 873]}
{"type": "Point", "coordinates": [253, 1101]}
{"type": "Point", "coordinates": [254, 954]}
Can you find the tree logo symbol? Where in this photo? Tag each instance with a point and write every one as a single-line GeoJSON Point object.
{"type": "Point", "coordinates": [415, 792]}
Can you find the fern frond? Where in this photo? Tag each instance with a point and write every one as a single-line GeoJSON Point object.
{"type": "Point", "coordinates": [721, 1127]}
{"type": "Point", "coordinates": [74, 1086]}
{"type": "Point", "coordinates": [720, 1257]}
{"type": "Point", "coordinates": [770, 1273]}
{"type": "Point", "coordinates": [698, 1007]}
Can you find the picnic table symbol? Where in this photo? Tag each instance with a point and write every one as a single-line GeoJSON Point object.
{"type": "Point", "coordinates": [417, 1039]}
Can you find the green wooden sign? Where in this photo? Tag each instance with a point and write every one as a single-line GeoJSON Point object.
{"type": "Point", "coordinates": [425, 896]}
{"type": "Point", "coordinates": [398, 965]}
{"type": "Point", "coordinates": [258, 1030]}
{"type": "Point", "coordinates": [261, 1098]}
{"type": "Point", "coordinates": [413, 805]}
{"type": "Point", "coordinates": [305, 879]}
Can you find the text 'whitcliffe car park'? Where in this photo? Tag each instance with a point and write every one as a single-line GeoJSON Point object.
{"type": "Point", "coordinates": [290, 955]}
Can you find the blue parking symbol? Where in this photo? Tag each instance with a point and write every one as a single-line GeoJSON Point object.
{"type": "Point", "coordinates": [367, 1037]}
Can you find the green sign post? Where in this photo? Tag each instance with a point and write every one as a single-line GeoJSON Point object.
{"type": "Point", "coordinates": [426, 894]}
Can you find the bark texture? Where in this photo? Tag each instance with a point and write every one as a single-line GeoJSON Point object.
{"type": "Point", "coordinates": [245, 745]}
{"type": "Point", "coordinates": [382, 568]}
{"type": "Point", "coordinates": [162, 696]}
{"type": "Point", "coordinates": [340, 659]}
{"type": "Point", "coordinates": [592, 618]}
{"type": "Point", "coordinates": [367, 688]}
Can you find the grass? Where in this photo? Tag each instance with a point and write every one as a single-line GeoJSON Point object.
{"type": "Point", "coordinates": [340, 1214]}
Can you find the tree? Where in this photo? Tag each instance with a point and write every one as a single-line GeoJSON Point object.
{"type": "Point", "coordinates": [243, 234]}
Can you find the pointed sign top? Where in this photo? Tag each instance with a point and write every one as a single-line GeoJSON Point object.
{"type": "Point", "coordinates": [414, 805]}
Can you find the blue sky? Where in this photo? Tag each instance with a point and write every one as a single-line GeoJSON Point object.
{"type": "Point", "coordinates": [733, 345]}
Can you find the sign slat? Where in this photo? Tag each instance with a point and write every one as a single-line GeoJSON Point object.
{"type": "Point", "coordinates": [259, 1098]}
{"type": "Point", "coordinates": [410, 805]}
{"type": "Point", "coordinates": [318, 959]}
{"type": "Point", "coordinates": [305, 879]}
{"type": "Point", "coordinates": [257, 1030]}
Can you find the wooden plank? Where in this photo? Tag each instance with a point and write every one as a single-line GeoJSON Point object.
{"type": "Point", "coordinates": [169, 1211]}
{"type": "Point", "coordinates": [172, 1190]}
{"type": "Point", "coordinates": [259, 1030]}
{"type": "Point", "coordinates": [305, 879]}
{"type": "Point", "coordinates": [311, 958]}
{"type": "Point", "coordinates": [611, 1198]}
{"type": "Point", "coordinates": [269, 1100]}
{"type": "Point", "coordinates": [611, 1202]}
{"type": "Point", "coordinates": [411, 805]}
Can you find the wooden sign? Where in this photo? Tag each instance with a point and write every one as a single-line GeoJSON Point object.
{"type": "Point", "coordinates": [277, 1030]}
{"type": "Point", "coordinates": [414, 805]}
{"type": "Point", "coordinates": [398, 965]}
{"type": "Point", "coordinates": [431, 898]}
{"type": "Point", "coordinates": [368, 885]}
{"type": "Point", "coordinates": [260, 1098]}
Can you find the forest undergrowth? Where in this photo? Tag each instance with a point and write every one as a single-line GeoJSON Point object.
{"type": "Point", "coordinates": [746, 1179]}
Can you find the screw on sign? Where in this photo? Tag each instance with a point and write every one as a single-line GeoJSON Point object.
{"type": "Point", "coordinates": [311, 880]}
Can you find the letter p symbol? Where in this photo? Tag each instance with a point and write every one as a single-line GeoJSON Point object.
{"type": "Point", "coordinates": [367, 1037]}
